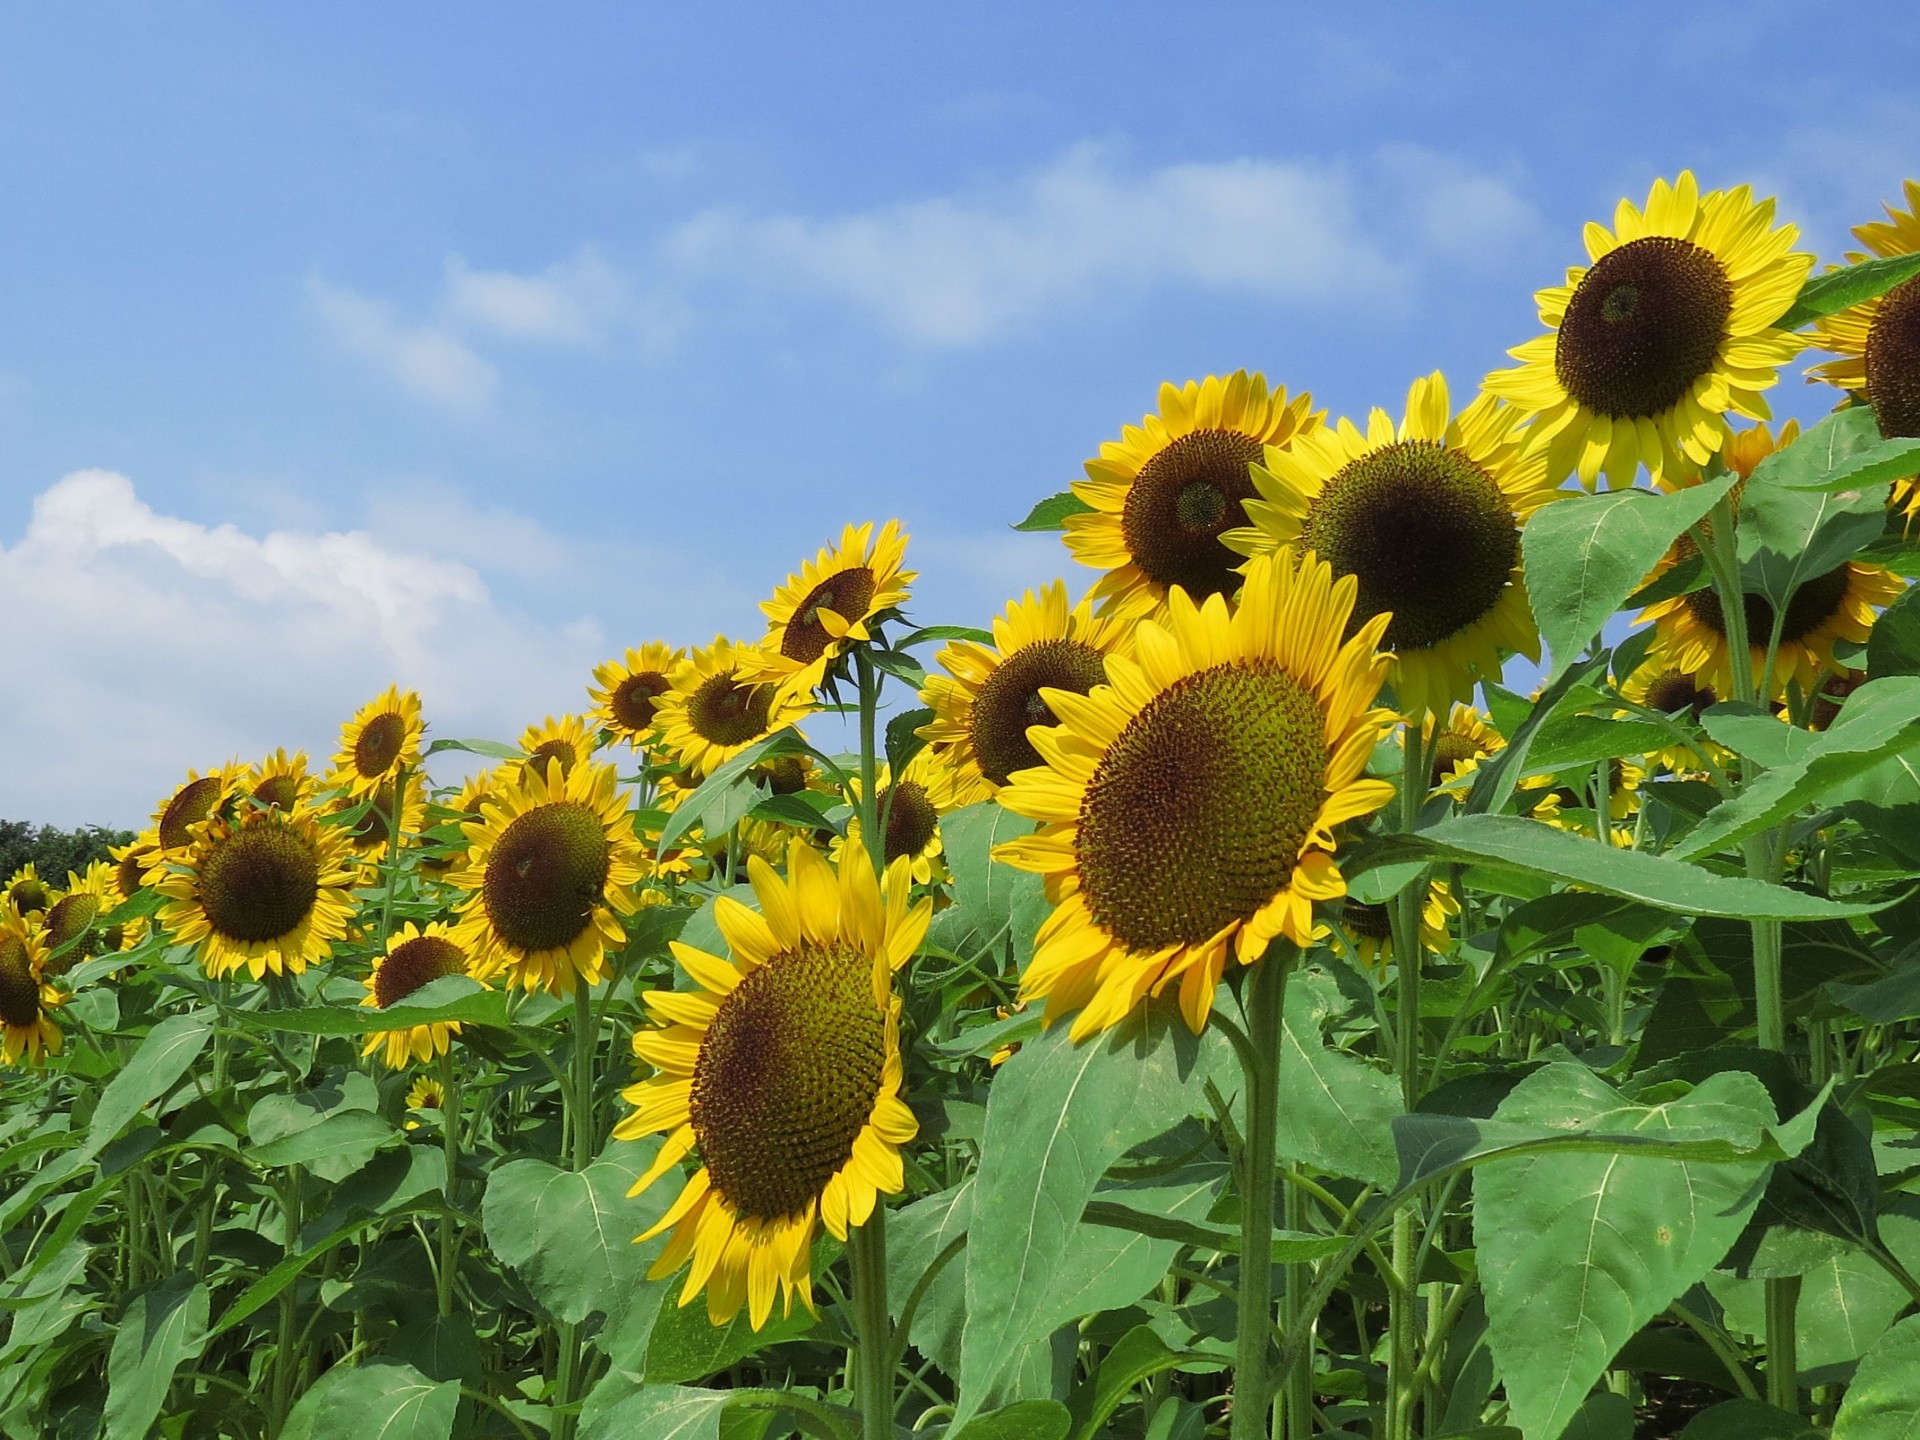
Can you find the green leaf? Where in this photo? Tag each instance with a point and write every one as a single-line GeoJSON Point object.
{"type": "Point", "coordinates": [1493, 782]}
{"type": "Point", "coordinates": [1879, 721]}
{"type": "Point", "coordinates": [376, 1401]}
{"type": "Point", "coordinates": [1578, 1252]}
{"type": "Point", "coordinates": [904, 740]}
{"type": "Point", "coordinates": [333, 1149]}
{"type": "Point", "coordinates": [1747, 1420]}
{"type": "Point", "coordinates": [622, 1408]}
{"type": "Point", "coordinates": [453, 997]}
{"type": "Point", "coordinates": [1883, 1403]}
{"type": "Point", "coordinates": [162, 1330]}
{"type": "Point", "coordinates": [1846, 287]}
{"type": "Point", "coordinates": [993, 904]}
{"type": "Point", "coordinates": [686, 1345]}
{"type": "Point", "coordinates": [970, 633]}
{"type": "Point", "coordinates": [1586, 554]}
{"type": "Point", "coordinates": [1052, 512]}
{"type": "Point", "coordinates": [1338, 1111]}
{"type": "Point", "coordinates": [1886, 1001]}
{"type": "Point", "coordinates": [1511, 843]}
{"type": "Point", "coordinates": [727, 791]}
{"type": "Point", "coordinates": [1139, 1355]}
{"type": "Point", "coordinates": [1789, 534]}
{"type": "Point", "coordinates": [1025, 1420]}
{"type": "Point", "coordinates": [1870, 466]}
{"type": "Point", "coordinates": [569, 1234]}
{"type": "Point", "coordinates": [154, 1068]}
{"type": "Point", "coordinates": [1569, 919]}
{"type": "Point", "coordinates": [1569, 740]}
{"type": "Point", "coordinates": [901, 667]}
{"type": "Point", "coordinates": [1604, 1416]}
{"type": "Point", "coordinates": [492, 749]}
{"type": "Point", "coordinates": [1058, 1115]}
{"type": "Point", "coordinates": [1893, 645]}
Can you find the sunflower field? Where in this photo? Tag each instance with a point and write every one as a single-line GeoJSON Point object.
{"type": "Point", "coordinates": [1218, 1006]}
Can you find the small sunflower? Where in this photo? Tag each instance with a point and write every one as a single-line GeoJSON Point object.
{"type": "Point", "coordinates": [1165, 492]}
{"type": "Point", "coordinates": [568, 740]}
{"type": "Point", "coordinates": [280, 781]}
{"type": "Point", "coordinates": [1188, 807]}
{"type": "Point", "coordinates": [1462, 743]}
{"type": "Point", "coordinates": [1370, 927]}
{"type": "Point", "coordinates": [265, 891]}
{"type": "Point", "coordinates": [1661, 687]}
{"type": "Point", "coordinates": [715, 709]}
{"type": "Point", "coordinates": [909, 814]}
{"type": "Point", "coordinates": [550, 863]}
{"type": "Point", "coordinates": [191, 803]}
{"type": "Point", "coordinates": [813, 616]}
{"type": "Point", "coordinates": [71, 921]}
{"type": "Point", "coordinates": [989, 696]}
{"type": "Point", "coordinates": [1878, 340]}
{"type": "Point", "coordinates": [1574, 790]}
{"type": "Point", "coordinates": [413, 959]}
{"type": "Point", "coordinates": [370, 833]}
{"type": "Point", "coordinates": [1671, 327]}
{"type": "Point", "coordinates": [1427, 518]}
{"type": "Point", "coordinates": [628, 697]}
{"type": "Point", "coordinates": [26, 1000]}
{"type": "Point", "coordinates": [425, 1093]}
{"type": "Point", "coordinates": [381, 738]}
{"type": "Point", "coordinates": [784, 1069]}
{"type": "Point", "coordinates": [133, 865]}
{"type": "Point", "coordinates": [26, 891]}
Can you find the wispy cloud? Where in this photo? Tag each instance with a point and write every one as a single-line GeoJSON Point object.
{"type": "Point", "coordinates": [425, 360]}
{"type": "Point", "coordinates": [963, 269]}
{"type": "Point", "coordinates": [572, 303]}
{"type": "Point", "coordinates": [175, 643]}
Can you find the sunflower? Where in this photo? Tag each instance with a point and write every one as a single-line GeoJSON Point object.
{"type": "Point", "coordinates": [1189, 805]}
{"type": "Point", "coordinates": [813, 616]}
{"type": "Point", "coordinates": [1690, 630]}
{"type": "Point", "coordinates": [551, 860]}
{"type": "Point", "coordinates": [425, 1093]}
{"type": "Point", "coordinates": [191, 803]}
{"type": "Point", "coordinates": [628, 697]}
{"type": "Point", "coordinates": [268, 890]}
{"type": "Point", "coordinates": [381, 738]}
{"type": "Point", "coordinates": [370, 833]}
{"type": "Point", "coordinates": [988, 698]}
{"type": "Point", "coordinates": [1878, 340]}
{"type": "Point", "coordinates": [1427, 519]}
{"type": "Point", "coordinates": [1166, 491]}
{"type": "Point", "coordinates": [1460, 745]}
{"type": "Point", "coordinates": [26, 891]}
{"type": "Point", "coordinates": [280, 781]}
{"type": "Point", "coordinates": [714, 709]}
{"type": "Point", "coordinates": [910, 814]}
{"type": "Point", "coordinates": [133, 864]}
{"type": "Point", "coordinates": [1659, 686]}
{"type": "Point", "coordinates": [1370, 927]}
{"type": "Point", "coordinates": [1672, 326]}
{"type": "Point", "coordinates": [1575, 791]}
{"type": "Point", "coordinates": [568, 740]}
{"type": "Point", "coordinates": [413, 958]}
{"type": "Point", "coordinates": [26, 1000]}
{"type": "Point", "coordinates": [784, 1069]}
{"type": "Point", "coordinates": [71, 919]}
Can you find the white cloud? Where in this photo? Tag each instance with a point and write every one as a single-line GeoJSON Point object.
{"type": "Point", "coordinates": [959, 270]}
{"type": "Point", "coordinates": [160, 643]}
{"type": "Point", "coordinates": [427, 360]}
{"type": "Point", "coordinates": [571, 303]}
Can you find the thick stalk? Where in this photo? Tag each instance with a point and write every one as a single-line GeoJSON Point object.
{"type": "Point", "coordinates": [284, 1360]}
{"type": "Point", "coordinates": [873, 1330]}
{"type": "Point", "coordinates": [578, 1098]}
{"type": "Point", "coordinates": [1266, 1000]}
{"type": "Point", "coordinates": [1297, 1383]}
{"type": "Point", "coordinates": [393, 857]}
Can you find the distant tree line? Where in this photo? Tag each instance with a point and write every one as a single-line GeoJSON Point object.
{"type": "Point", "coordinates": [54, 852]}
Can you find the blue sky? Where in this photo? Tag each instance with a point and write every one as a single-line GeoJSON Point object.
{"type": "Point", "coordinates": [462, 346]}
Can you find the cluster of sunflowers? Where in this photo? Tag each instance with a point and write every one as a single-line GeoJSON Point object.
{"type": "Point", "coordinates": [1196, 738]}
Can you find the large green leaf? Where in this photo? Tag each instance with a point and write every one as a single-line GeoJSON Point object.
{"type": "Point", "coordinates": [162, 1058]}
{"type": "Point", "coordinates": [1747, 1420]}
{"type": "Point", "coordinates": [1883, 1403]}
{"type": "Point", "coordinates": [454, 997]}
{"type": "Point", "coordinates": [1024, 1420]}
{"type": "Point", "coordinates": [994, 906]}
{"type": "Point", "coordinates": [1893, 645]}
{"type": "Point", "coordinates": [374, 1402]}
{"type": "Point", "coordinates": [729, 792]}
{"type": "Point", "coordinates": [622, 1408]}
{"type": "Point", "coordinates": [1587, 553]}
{"type": "Point", "coordinates": [162, 1330]}
{"type": "Point", "coordinates": [1058, 1115]}
{"type": "Point", "coordinates": [1789, 533]}
{"type": "Point", "coordinates": [1336, 1111]}
{"type": "Point", "coordinates": [1850, 285]}
{"type": "Point", "coordinates": [1138, 1355]}
{"type": "Point", "coordinates": [1052, 512]}
{"type": "Point", "coordinates": [1578, 1252]}
{"type": "Point", "coordinates": [683, 1344]}
{"type": "Point", "coordinates": [1508, 842]}
{"type": "Point", "coordinates": [333, 1149]}
{"type": "Point", "coordinates": [1880, 720]}
{"type": "Point", "coordinates": [569, 1234]}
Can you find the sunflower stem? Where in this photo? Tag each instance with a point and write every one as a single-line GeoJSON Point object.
{"type": "Point", "coordinates": [1265, 998]}
{"type": "Point", "coordinates": [450, 1141]}
{"type": "Point", "coordinates": [577, 1097]}
{"type": "Point", "coordinates": [869, 807]}
{"type": "Point", "coordinates": [873, 1357]}
{"type": "Point", "coordinates": [393, 858]}
{"type": "Point", "coordinates": [1298, 1381]}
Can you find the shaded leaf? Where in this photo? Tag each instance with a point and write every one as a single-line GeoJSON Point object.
{"type": "Point", "coordinates": [375, 1402]}
{"type": "Point", "coordinates": [1883, 1403]}
{"type": "Point", "coordinates": [162, 1330]}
